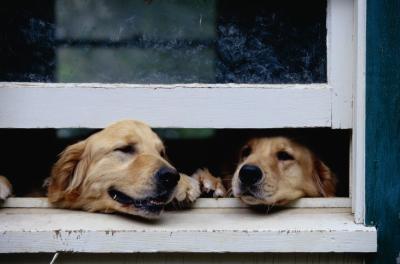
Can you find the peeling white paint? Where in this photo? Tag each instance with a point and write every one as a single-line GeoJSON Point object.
{"type": "Point", "coordinates": [196, 230]}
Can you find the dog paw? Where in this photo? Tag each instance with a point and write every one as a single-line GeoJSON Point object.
{"type": "Point", "coordinates": [188, 189]}
{"type": "Point", "coordinates": [209, 183]}
{"type": "Point", "coordinates": [5, 188]}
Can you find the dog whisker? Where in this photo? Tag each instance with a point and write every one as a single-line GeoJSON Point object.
{"type": "Point", "coordinates": [229, 192]}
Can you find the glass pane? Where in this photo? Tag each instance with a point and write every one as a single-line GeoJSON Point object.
{"type": "Point", "coordinates": [169, 41]}
{"type": "Point", "coordinates": [134, 65]}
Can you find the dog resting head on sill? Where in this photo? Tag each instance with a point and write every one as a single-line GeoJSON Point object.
{"type": "Point", "coordinates": [122, 169]}
{"type": "Point", "coordinates": [274, 171]}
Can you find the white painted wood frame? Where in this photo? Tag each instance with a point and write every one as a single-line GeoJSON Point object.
{"type": "Point", "coordinates": [30, 105]}
{"type": "Point", "coordinates": [92, 105]}
{"type": "Point", "coordinates": [357, 174]}
{"type": "Point", "coordinates": [338, 104]}
{"type": "Point", "coordinates": [42, 202]}
{"type": "Point", "coordinates": [196, 230]}
{"type": "Point", "coordinates": [340, 56]}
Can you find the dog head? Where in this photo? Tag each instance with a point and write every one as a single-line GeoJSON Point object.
{"type": "Point", "coordinates": [119, 169]}
{"type": "Point", "coordinates": [275, 171]}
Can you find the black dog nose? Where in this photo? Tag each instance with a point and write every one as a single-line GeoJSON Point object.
{"type": "Point", "coordinates": [167, 178]}
{"type": "Point", "coordinates": [250, 174]}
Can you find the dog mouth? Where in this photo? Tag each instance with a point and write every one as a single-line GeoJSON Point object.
{"type": "Point", "coordinates": [255, 196]}
{"type": "Point", "coordinates": [151, 205]}
{"type": "Point", "coordinates": [250, 195]}
{"type": "Point", "coordinates": [251, 191]}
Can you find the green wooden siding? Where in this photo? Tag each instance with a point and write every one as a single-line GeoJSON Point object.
{"type": "Point", "coordinates": [383, 127]}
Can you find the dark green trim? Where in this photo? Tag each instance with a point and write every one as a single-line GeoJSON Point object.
{"type": "Point", "coordinates": [383, 127]}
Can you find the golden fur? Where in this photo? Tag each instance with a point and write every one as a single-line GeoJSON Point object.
{"type": "Point", "coordinates": [301, 174]}
{"type": "Point", "coordinates": [125, 156]}
{"type": "Point", "coordinates": [5, 188]}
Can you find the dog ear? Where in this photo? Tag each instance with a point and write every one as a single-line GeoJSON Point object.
{"type": "Point", "coordinates": [324, 179]}
{"type": "Point", "coordinates": [68, 173]}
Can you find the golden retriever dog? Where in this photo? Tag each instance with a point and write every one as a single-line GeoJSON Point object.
{"type": "Point", "coordinates": [122, 169]}
{"type": "Point", "coordinates": [5, 188]}
{"type": "Point", "coordinates": [276, 171]}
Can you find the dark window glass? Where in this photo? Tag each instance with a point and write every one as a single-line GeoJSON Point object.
{"type": "Point", "coordinates": [164, 41]}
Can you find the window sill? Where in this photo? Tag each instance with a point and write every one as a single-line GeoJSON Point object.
{"type": "Point", "coordinates": [207, 229]}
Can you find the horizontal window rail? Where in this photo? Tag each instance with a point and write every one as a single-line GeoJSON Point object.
{"type": "Point", "coordinates": [94, 105]}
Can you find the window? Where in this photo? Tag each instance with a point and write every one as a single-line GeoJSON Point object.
{"type": "Point", "coordinates": [198, 64]}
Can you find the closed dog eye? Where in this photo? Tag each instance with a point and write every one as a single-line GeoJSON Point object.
{"type": "Point", "coordinates": [127, 149]}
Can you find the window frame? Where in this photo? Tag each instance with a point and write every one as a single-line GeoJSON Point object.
{"type": "Point", "coordinates": [316, 105]}
{"type": "Point", "coordinates": [341, 102]}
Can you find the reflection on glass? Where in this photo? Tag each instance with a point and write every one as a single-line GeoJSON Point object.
{"type": "Point", "coordinates": [165, 41]}
{"type": "Point", "coordinates": [167, 20]}
{"type": "Point", "coordinates": [135, 65]}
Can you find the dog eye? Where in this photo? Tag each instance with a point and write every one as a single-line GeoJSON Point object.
{"type": "Point", "coordinates": [283, 155]}
{"type": "Point", "coordinates": [162, 153]}
{"type": "Point", "coordinates": [128, 149]}
{"type": "Point", "coordinates": [246, 151]}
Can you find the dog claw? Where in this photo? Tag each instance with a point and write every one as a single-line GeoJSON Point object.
{"type": "Point", "coordinates": [209, 183]}
{"type": "Point", "coordinates": [219, 193]}
{"type": "Point", "coordinates": [188, 189]}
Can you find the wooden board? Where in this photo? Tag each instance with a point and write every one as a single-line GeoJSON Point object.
{"type": "Point", "coordinates": [341, 60]}
{"type": "Point", "coordinates": [357, 168]}
{"type": "Point", "coordinates": [337, 202]}
{"type": "Point", "coordinates": [196, 230]}
{"type": "Point", "coordinates": [58, 105]}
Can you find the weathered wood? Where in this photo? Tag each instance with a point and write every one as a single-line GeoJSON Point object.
{"type": "Point", "coordinates": [357, 171]}
{"type": "Point", "coordinates": [196, 230]}
{"type": "Point", "coordinates": [383, 127]}
{"type": "Point", "coordinates": [341, 60]}
{"type": "Point", "coordinates": [337, 202]}
{"type": "Point", "coordinates": [38, 105]}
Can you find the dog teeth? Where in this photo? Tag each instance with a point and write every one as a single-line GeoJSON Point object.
{"type": "Point", "coordinates": [115, 197]}
{"type": "Point", "coordinates": [155, 202]}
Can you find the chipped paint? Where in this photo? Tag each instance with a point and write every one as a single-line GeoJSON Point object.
{"type": "Point", "coordinates": [57, 233]}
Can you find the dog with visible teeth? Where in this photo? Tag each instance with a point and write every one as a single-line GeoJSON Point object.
{"type": "Point", "coordinates": [275, 171]}
{"type": "Point", "coordinates": [122, 169]}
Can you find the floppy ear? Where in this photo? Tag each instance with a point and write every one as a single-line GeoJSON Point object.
{"type": "Point", "coordinates": [68, 173]}
{"type": "Point", "coordinates": [324, 179]}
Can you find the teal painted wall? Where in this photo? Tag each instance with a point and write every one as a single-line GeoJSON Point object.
{"type": "Point", "coordinates": [383, 127]}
